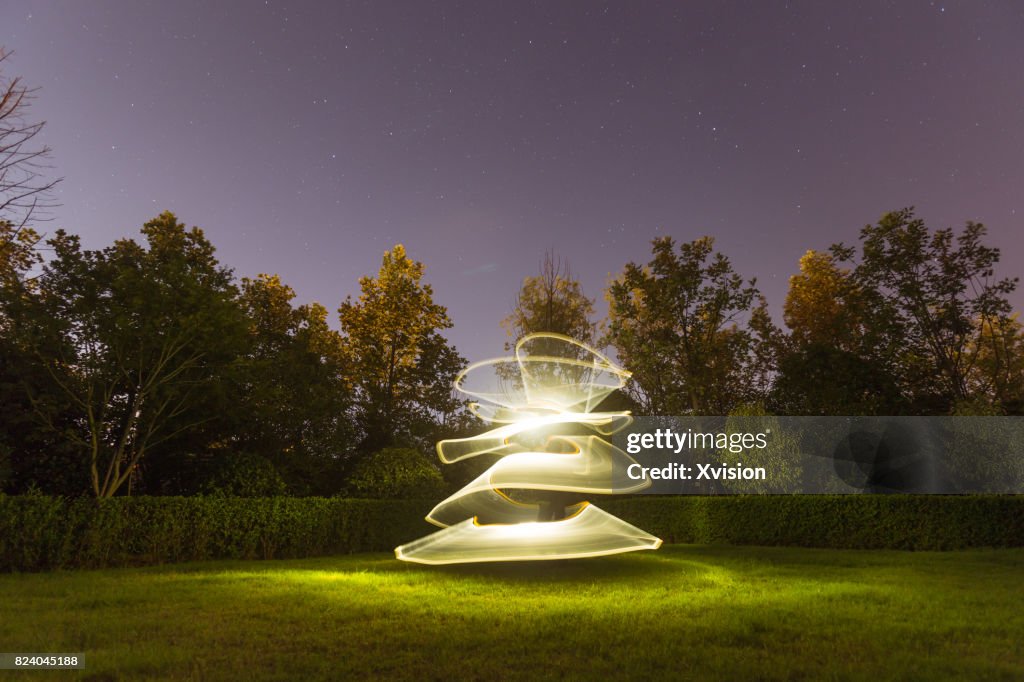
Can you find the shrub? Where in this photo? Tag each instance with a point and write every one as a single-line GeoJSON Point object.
{"type": "Point", "coordinates": [5, 465]}
{"type": "Point", "coordinates": [917, 522]}
{"type": "Point", "coordinates": [38, 532]}
{"type": "Point", "coordinates": [397, 473]}
{"type": "Point", "coordinates": [245, 475]}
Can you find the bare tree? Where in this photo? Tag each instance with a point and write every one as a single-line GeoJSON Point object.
{"type": "Point", "coordinates": [25, 189]}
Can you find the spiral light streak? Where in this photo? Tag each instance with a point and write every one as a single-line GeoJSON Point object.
{"type": "Point", "coordinates": [549, 440]}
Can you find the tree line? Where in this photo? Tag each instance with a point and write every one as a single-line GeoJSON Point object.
{"type": "Point", "coordinates": [147, 367]}
{"type": "Point", "coordinates": [908, 321]}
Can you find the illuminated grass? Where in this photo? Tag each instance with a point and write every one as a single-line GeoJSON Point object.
{"type": "Point", "coordinates": [703, 612]}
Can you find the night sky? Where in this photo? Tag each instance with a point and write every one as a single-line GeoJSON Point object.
{"type": "Point", "coordinates": [307, 140]}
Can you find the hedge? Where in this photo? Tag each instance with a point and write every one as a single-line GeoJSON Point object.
{"type": "Point", "coordinates": [914, 522]}
{"type": "Point", "coordinates": [41, 533]}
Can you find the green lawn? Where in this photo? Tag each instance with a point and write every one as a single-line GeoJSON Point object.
{"type": "Point", "coordinates": [683, 611]}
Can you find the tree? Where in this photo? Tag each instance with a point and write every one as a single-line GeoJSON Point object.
{"type": "Point", "coordinates": [997, 377]}
{"type": "Point", "coordinates": [24, 188]}
{"type": "Point", "coordinates": [781, 455]}
{"type": "Point", "coordinates": [933, 294]}
{"type": "Point", "coordinates": [295, 406]}
{"type": "Point", "coordinates": [29, 457]}
{"type": "Point", "coordinates": [32, 457]}
{"type": "Point", "coordinates": [676, 325]}
{"type": "Point", "coordinates": [823, 305]}
{"type": "Point", "coordinates": [18, 254]}
{"type": "Point", "coordinates": [838, 358]}
{"type": "Point", "coordinates": [551, 301]}
{"type": "Point", "coordinates": [402, 368]}
{"type": "Point", "coordinates": [131, 337]}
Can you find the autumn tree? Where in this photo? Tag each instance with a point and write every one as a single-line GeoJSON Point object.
{"type": "Point", "coordinates": [18, 254]}
{"type": "Point", "coordinates": [551, 301]}
{"type": "Point", "coordinates": [680, 325]}
{"type": "Point", "coordinates": [839, 358]}
{"type": "Point", "coordinates": [295, 403]}
{"type": "Point", "coordinates": [823, 305]}
{"type": "Point", "coordinates": [130, 337]}
{"type": "Point", "coordinates": [402, 366]}
{"type": "Point", "coordinates": [997, 376]}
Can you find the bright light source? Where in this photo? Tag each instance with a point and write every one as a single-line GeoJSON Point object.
{"type": "Point", "coordinates": [551, 386]}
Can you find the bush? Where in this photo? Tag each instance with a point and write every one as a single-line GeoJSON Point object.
{"type": "Point", "coordinates": [38, 532]}
{"type": "Point", "coordinates": [397, 473]}
{"type": "Point", "coordinates": [245, 475]}
{"type": "Point", "coordinates": [5, 465]}
{"type": "Point", "coordinates": [916, 522]}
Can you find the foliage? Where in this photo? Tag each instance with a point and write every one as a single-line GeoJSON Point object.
{"type": "Point", "coordinates": [128, 337]}
{"type": "Point", "coordinates": [397, 473]}
{"type": "Point", "coordinates": [18, 254]}
{"type": "Point", "coordinates": [824, 306]}
{"type": "Point", "coordinates": [40, 533]}
{"type": "Point", "coordinates": [403, 368]}
{"type": "Point", "coordinates": [5, 465]}
{"type": "Point", "coordinates": [676, 325]}
{"type": "Point", "coordinates": [915, 323]}
{"type": "Point", "coordinates": [997, 377]}
{"type": "Point", "coordinates": [979, 454]}
{"type": "Point", "coordinates": [838, 358]}
{"type": "Point", "coordinates": [916, 522]}
{"type": "Point", "coordinates": [932, 294]}
{"type": "Point", "coordinates": [245, 475]}
{"type": "Point", "coordinates": [551, 301]}
{"type": "Point", "coordinates": [35, 456]}
{"type": "Point", "coordinates": [144, 367]}
{"type": "Point", "coordinates": [295, 406]}
{"type": "Point", "coordinates": [25, 194]}
{"type": "Point", "coordinates": [781, 456]}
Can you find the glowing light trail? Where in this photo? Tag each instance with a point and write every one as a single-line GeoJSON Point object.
{"type": "Point", "coordinates": [549, 441]}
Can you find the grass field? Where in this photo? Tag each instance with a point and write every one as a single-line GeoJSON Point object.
{"type": "Point", "coordinates": [681, 612]}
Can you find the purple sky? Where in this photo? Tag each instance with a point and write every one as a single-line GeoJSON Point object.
{"type": "Point", "coordinates": [307, 140]}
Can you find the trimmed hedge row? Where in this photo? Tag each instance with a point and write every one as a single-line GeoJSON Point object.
{"type": "Point", "coordinates": [41, 533]}
{"type": "Point", "coordinates": [915, 522]}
